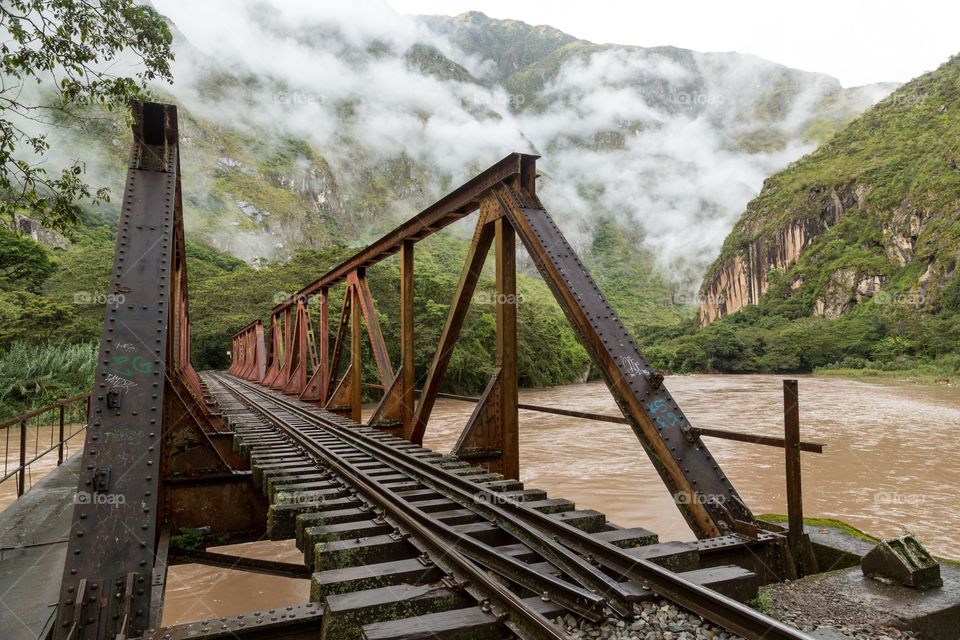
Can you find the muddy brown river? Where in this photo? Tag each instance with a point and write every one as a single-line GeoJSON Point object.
{"type": "Point", "coordinates": [892, 463]}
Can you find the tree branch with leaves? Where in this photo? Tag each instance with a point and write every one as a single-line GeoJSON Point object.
{"type": "Point", "coordinates": [66, 49]}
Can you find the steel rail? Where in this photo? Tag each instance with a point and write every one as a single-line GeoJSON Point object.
{"type": "Point", "coordinates": [566, 594]}
{"type": "Point", "coordinates": [462, 492]}
{"type": "Point", "coordinates": [451, 546]}
{"type": "Point", "coordinates": [719, 609]}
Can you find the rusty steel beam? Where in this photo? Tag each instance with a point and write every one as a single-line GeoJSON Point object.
{"type": "Point", "coordinates": [356, 357]}
{"type": "Point", "coordinates": [299, 346]}
{"type": "Point", "coordinates": [407, 372]}
{"type": "Point", "coordinates": [274, 354]}
{"type": "Point", "coordinates": [491, 436]}
{"type": "Point", "coordinates": [240, 563]}
{"type": "Point", "coordinates": [460, 202]}
{"type": "Point", "coordinates": [317, 387]}
{"type": "Point", "coordinates": [129, 383]}
{"type": "Point", "coordinates": [257, 372]}
{"type": "Point", "coordinates": [240, 344]}
{"type": "Point", "coordinates": [710, 504]}
{"type": "Point", "coordinates": [380, 354]}
{"type": "Point", "coordinates": [674, 446]}
{"type": "Point", "coordinates": [338, 343]}
{"type": "Point", "coordinates": [248, 352]}
{"type": "Point", "coordinates": [286, 342]}
{"type": "Point", "coordinates": [506, 306]}
{"type": "Point", "coordinates": [151, 428]}
{"type": "Point", "coordinates": [751, 438]}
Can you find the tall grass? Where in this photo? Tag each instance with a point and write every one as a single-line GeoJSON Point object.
{"type": "Point", "coordinates": [33, 375]}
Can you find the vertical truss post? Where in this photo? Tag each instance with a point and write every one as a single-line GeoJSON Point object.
{"type": "Point", "coordinates": [356, 356]}
{"type": "Point", "coordinates": [298, 358]}
{"type": "Point", "coordinates": [490, 436]}
{"type": "Point", "coordinates": [407, 371]}
{"type": "Point", "coordinates": [273, 352]}
{"type": "Point", "coordinates": [317, 387]}
{"type": "Point", "coordinates": [104, 594]}
{"type": "Point", "coordinates": [281, 353]}
{"type": "Point", "coordinates": [324, 369]}
{"type": "Point", "coordinates": [259, 355]}
{"type": "Point", "coordinates": [283, 375]}
{"type": "Point", "coordinates": [506, 305]}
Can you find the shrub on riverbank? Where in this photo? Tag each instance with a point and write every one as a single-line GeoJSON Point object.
{"type": "Point", "coordinates": [34, 375]}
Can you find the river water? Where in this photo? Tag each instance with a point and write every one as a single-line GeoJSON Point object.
{"type": "Point", "coordinates": [892, 462]}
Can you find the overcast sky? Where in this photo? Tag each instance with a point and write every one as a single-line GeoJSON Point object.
{"type": "Point", "coordinates": [854, 40]}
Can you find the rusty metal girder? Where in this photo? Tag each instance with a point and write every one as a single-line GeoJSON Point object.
{"type": "Point", "coordinates": [151, 426]}
{"type": "Point", "coordinates": [248, 353]}
{"type": "Point", "coordinates": [299, 363]}
{"type": "Point", "coordinates": [505, 194]}
{"type": "Point", "coordinates": [460, 202]}
{"type": "Point", "coordinates": [121, 471]}
{"type": "Point", "coordinates": [703, 493]}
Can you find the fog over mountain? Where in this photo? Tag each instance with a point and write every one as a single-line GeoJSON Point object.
{"type": "Point", "coordinates": [312, 121]}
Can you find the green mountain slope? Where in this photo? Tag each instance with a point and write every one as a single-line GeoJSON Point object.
{"type": "Point", "coordinates": [851, 252]}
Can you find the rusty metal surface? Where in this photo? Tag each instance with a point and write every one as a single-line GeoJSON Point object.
{"type": "Point", "coordinates": [105, 589]}
{"type": "Point", "coordinates": [455, 205]}
{"type": "Point", "coordinates": [711, 506]}
{"type": "Point", "coordinates": [506, 198]}
{"type": "Point", "coordinates": [300, 622]}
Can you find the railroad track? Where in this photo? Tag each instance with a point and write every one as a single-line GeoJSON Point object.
{"type": "Point", "coordinates": [404, 542]}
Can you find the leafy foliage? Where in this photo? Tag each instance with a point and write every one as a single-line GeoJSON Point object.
{"type": "Point", "coordinates": [24, 264]}
{"type": "Point", "coordinates": [62, 48]}
{"type": "Point", "coordinates": [33, 375]}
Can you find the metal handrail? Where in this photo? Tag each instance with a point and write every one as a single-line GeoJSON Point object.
{"type": "Point", "coordinates": [21, 470]}
{"type": "Point", "coordinates": [35, 412]}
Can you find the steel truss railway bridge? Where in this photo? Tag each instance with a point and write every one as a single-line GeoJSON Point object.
{"type": "Point", "coordinates": [399, 541]}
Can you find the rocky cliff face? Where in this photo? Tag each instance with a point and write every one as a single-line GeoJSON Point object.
{"type": "Point", "coordinates": [743, 278]}
{"type": "Point", "coordinates": [870, 216]}
{"type": "Point", "coordinates": [39, 233]}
